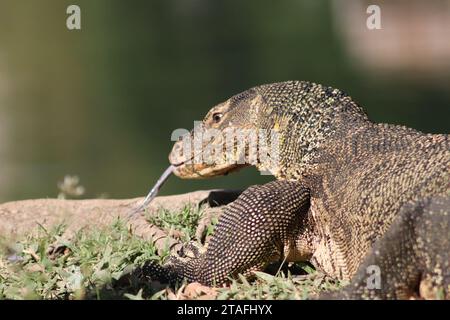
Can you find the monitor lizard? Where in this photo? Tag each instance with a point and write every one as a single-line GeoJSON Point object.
{"type": "Point", "coordinates": [353, 197]}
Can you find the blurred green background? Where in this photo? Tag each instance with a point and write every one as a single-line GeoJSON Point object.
{"type": "Point", "coordinates": [101, 102]}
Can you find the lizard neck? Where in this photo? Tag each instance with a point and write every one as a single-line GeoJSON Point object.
{"type": "Point", "coordinates": [306, 116]}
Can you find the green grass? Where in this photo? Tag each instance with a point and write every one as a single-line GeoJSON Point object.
{"type": "Point", "coordinates": [82, 268]}
{"type": "Point", "coordinates": [280, 286]}
{"type": "Point", "coordinates": [184, 221]}
{"type": "Point", "coordinates": [90, 266]}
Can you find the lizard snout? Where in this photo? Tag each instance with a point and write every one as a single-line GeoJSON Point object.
{"type": "Point", "coordinates": [186, 167]}
{"type": "Point", "coordinates": [181, 158]}
{"type": "Point", "coordinates": [177, 155]}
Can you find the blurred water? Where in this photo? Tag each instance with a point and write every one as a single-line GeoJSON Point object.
{"type": "Point", "coordinates": [102, 102]}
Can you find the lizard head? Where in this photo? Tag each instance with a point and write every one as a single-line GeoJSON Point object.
{"type": "Point", "coordinates": [293, 117]}
{"type": "Point", "coordinates": [212, 147]}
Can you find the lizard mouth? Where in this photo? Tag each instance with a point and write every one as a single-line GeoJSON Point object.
{"type": "Point", "coordinates": [186, 166]}
{"type": "Point", "coordinates": [189, 170]}
{"type": "Point", "coordinates": [179, 164]}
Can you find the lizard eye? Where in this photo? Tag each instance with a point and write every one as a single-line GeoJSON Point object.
{"type": "Point", "coordinates": [217, 117]}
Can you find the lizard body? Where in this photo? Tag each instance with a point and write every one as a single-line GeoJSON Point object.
{"type": "Point", "coordinates": [344, 186]}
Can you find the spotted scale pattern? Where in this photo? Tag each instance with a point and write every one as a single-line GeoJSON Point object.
{"type": "Point", "coordinates": [356, 175]}
{"type": "Point", "coordinates": [252, 232]}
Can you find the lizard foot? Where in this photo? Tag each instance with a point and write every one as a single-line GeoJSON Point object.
{"type": "Point", "coordinates": [177, 266]}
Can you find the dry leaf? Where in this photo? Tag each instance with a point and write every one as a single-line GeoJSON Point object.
{"type": "Point", "coordinates": [196, 290]}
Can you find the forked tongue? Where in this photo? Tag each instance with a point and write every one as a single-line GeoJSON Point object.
{"type": "Point", "coordinates": [154, 191]}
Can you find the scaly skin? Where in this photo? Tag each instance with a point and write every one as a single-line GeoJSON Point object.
{"type": "Point", "coordinates": [345, 185]}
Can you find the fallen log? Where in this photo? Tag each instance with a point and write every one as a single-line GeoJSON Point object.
{"type": "Point", "coordinates": [21, 218]}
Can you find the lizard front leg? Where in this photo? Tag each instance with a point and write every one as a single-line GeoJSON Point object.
{"type": "Point", "coordinates": [252, 232]}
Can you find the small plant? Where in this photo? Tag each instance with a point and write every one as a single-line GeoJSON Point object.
{"type": "Point", "coordinates": [211, 226]}
{"type": "Point", "coordinates": [185, 221]}
{"type": "Point", "coordinates": [70, 188]}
